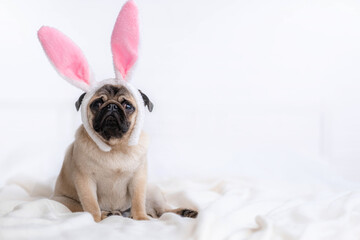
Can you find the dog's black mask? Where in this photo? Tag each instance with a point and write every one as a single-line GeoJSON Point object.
{"type": "Point", "coordinates": [110, 121]}
{"type": "Point", "coordinates": [112, 117]}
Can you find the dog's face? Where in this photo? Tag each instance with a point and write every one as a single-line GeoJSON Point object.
{"type": "Point", "coordinates": [112, 112]}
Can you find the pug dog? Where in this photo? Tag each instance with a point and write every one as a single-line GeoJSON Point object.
{"type": "Point", "coordinates": [105, 169]}
{"type": "Point", "coordinates": [110, 183]}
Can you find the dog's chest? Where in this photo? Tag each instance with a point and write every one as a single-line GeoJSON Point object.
{"type": "Point", "coordinates": [113, 191]}
{"type": "Point", "coordinates": [112, 175]}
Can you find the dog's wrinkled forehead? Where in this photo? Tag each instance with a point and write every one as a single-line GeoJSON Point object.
{"type": "Point", "coordinates": [113, 91]}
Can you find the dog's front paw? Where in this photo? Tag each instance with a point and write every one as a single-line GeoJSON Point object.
{"type": "Point", "coordinates": [105, 214]}
{"type": "Point", "coordinates": [97, 217]}
{"type": "Point", "coordinates": [140, 217]}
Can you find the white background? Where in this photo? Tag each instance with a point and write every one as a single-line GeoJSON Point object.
{"type": "Point", "coordinates": [241, 88]}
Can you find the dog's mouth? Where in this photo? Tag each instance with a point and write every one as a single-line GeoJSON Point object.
{"type": "Point", "coordinates": [111, 122]}
{"type": "Point", "coordinates": [111, 125]}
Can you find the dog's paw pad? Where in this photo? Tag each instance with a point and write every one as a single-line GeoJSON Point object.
{"type": "Point", "coordinates": [187, 213]}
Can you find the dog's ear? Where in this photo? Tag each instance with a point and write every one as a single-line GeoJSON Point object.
{"type": "Point", "coordinates": [79, 101]}
{"type": "Point", "coordinates": [147, 101]}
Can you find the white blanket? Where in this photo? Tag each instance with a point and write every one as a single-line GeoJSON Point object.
{"type": "Point", "coordinates": [229, 209]}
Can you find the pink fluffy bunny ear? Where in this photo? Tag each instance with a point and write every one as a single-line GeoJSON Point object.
{"type": "Point", "coordinates": [125, 40]}
{"type": "Point", "coordinates": [66, 57]}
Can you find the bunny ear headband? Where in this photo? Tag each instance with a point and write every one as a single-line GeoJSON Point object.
{"type": "Point", "coordinates": [71, 64]}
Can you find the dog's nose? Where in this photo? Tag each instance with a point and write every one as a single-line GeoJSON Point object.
{"type": "Point", "coordinates": [112, 107]}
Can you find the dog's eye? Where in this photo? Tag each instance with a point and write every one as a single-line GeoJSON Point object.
{"type": "Point", "coordinates": [127, 105]}
{"type": "Point", "coordinates": [97, 103]}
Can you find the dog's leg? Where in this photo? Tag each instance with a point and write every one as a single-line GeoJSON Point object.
{"type": "Point", "coordinates": [70, 203]}
{"type": "Point", "coordinates": [156, 204]}
{"type": "Point", "coordinates": [137, 190]}
{"type": "Point", "coordinates": [86, 190]}
{"type": "Point", "coordinates": [184, 212]}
